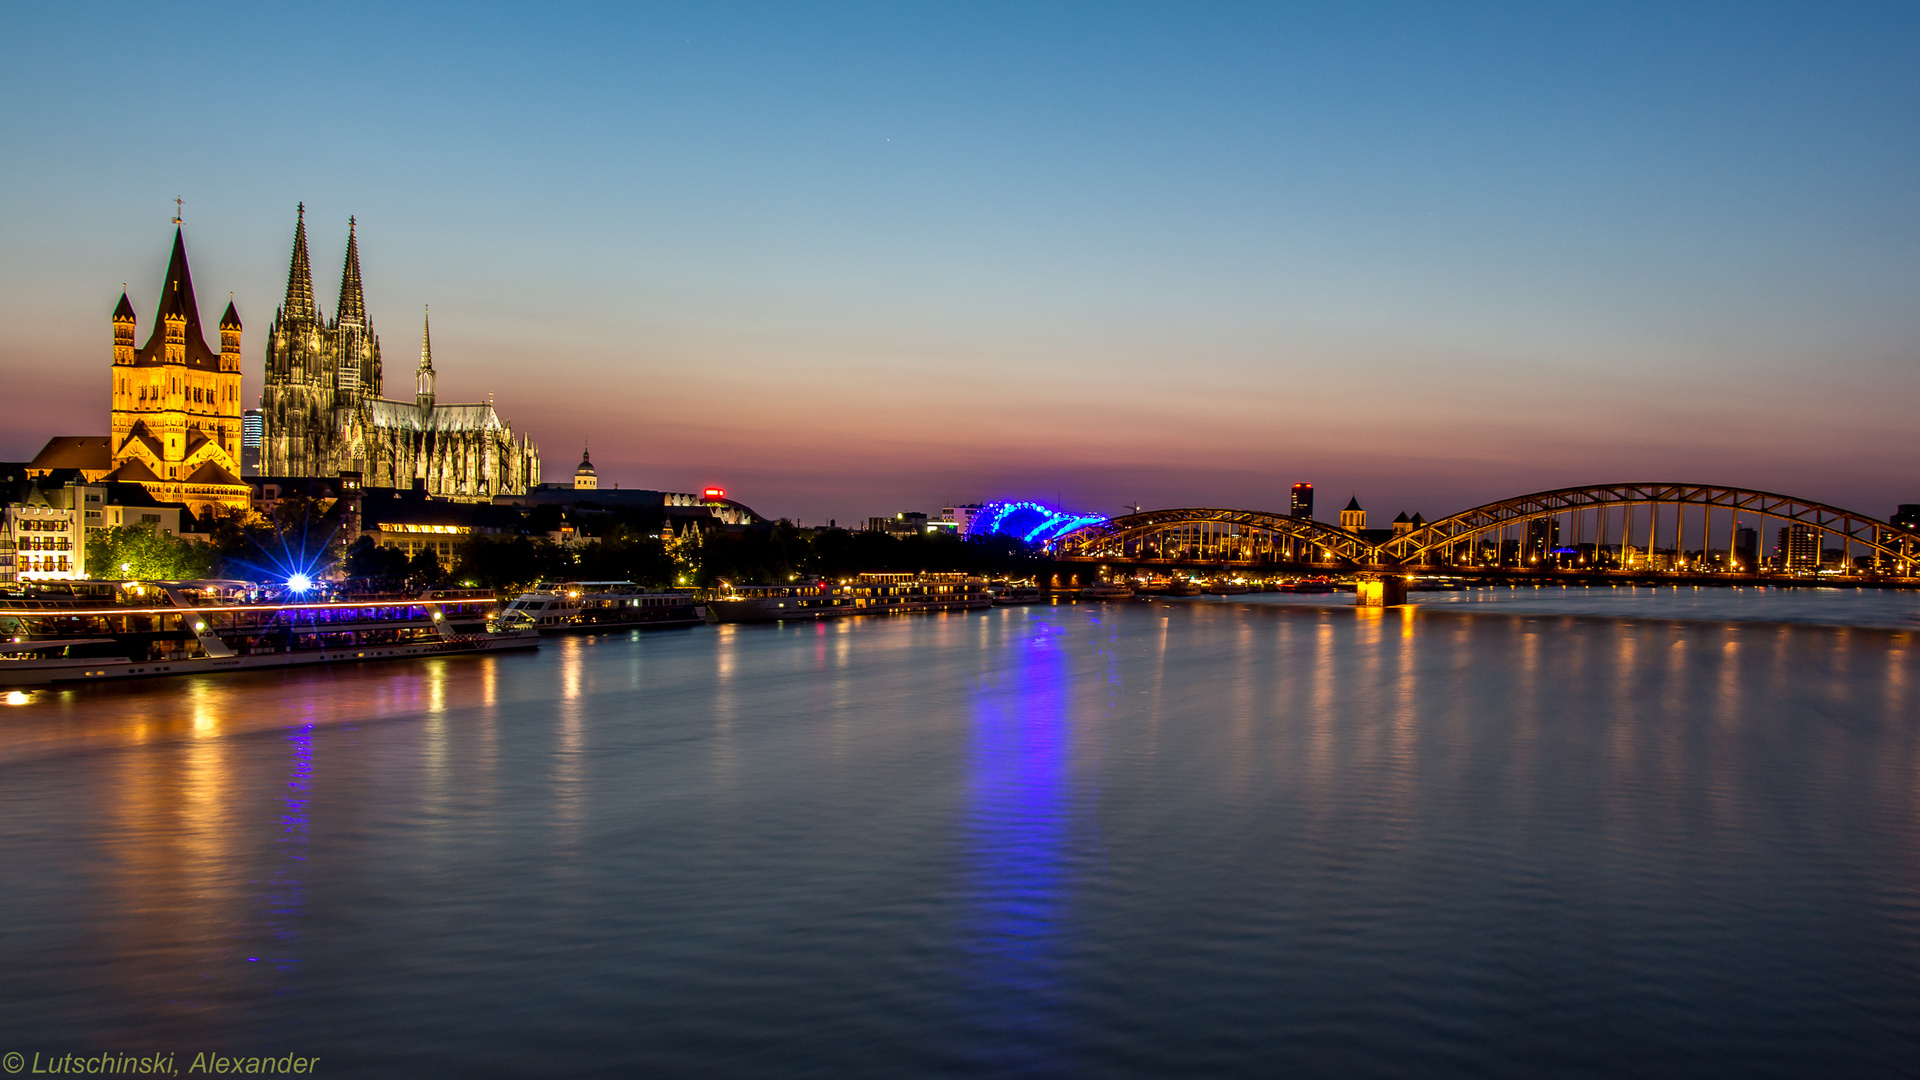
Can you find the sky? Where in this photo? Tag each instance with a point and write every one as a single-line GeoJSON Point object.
{"type": "Point", "coordinates": [848, 260]}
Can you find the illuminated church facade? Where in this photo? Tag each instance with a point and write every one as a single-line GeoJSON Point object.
{"type": "Point", "coordinates": [324, 413]}
{"type": "Point", "coordinates": [176, 402]}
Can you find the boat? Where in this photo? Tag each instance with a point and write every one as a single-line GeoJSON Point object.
{"type": "Point", "coordinates": [867, 594]}
{"type": "Point", "coordinates": [592, 607]}
{"type": "Point", "coordinates": [1226, 588]}
{"type": "Point", "coordinates": [1106, 592]}
{"type": "Point", "coordinates": [98, 631]}
{"type": "Point", "coordinates": [1183, 587]}
{"type": "Point", "coordinates": [1312, 587]}
{"type": "Point", "coordinates": [1019, 594]}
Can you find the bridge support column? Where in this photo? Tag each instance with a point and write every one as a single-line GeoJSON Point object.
{"type": "Point", "coordinates": [1380, 590]}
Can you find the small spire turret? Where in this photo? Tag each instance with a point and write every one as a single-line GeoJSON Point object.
{"type": "Point", "coordinates": [423, 379]}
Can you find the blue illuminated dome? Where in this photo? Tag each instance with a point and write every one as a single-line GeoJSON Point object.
{"type": "Point", "coordinates": [1032, 522]}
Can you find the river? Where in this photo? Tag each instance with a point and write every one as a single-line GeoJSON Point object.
{"type": "Point", "coordinates": [1496, 834]}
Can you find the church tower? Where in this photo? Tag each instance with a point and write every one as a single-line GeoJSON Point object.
{"type": "Point", "coordinates": [176, 402]}
{"type": "Point", "coordinates": [358, 359]}
{"type": "Point", "coordinates": [297, 399]}
{"type": "Point", "coordinates": [1353, 517]}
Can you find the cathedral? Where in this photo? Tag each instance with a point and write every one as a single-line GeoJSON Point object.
{"type": "Point", "coordinates": [324, 413]}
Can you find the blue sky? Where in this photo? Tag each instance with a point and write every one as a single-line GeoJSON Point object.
{"type": "Point", "coordinates": [848, 260]}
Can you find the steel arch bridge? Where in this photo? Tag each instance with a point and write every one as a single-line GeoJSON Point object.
{"type": "Point", "coordinates": [1607, 512]}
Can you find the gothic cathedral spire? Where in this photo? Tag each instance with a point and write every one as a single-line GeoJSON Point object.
{"type": "Point", "coordinates": [353, 302]}
{"type": "Point", "coordinates": [299, 303]}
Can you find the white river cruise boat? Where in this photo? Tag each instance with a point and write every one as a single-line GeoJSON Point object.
{"type": "Point", "coordinates": [868, 594]}
{"type": "Point", "coordinates": [96, 631]}
{"type": "Point", "coordinates": [591, 607]}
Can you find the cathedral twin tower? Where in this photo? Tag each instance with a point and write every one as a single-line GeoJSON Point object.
{"type": "Point", "coordinates": [324, 413]}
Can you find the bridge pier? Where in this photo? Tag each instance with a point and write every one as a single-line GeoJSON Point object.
{"type": "Point", "coordinates": [1379, 590]}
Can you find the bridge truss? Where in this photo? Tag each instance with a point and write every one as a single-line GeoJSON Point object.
{"type": "Point", "coordinates": [1567, 527]}
{"type": "Point", "coordinates": [1204, 534]}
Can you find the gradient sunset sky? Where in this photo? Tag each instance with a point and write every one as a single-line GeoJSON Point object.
{"type": "Point", "coordinates": [848, 260]}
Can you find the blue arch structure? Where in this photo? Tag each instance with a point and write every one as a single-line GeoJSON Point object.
{"type": "Point", "coordinates": [1030, 522]}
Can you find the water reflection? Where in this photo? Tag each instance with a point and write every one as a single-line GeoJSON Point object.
{"type": "Point", "coordinates": [1016, 839]}
{"type": "Point", "coordinates": [287, 902]}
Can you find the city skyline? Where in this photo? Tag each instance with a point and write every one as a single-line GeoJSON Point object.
{"type": "Point", "coordinates": [850, 264]}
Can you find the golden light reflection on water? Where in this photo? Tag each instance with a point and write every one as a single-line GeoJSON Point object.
{"type": "Point", "coordinates": [142, 712]}
{"type": "Point", "coordinates": [569, 758]}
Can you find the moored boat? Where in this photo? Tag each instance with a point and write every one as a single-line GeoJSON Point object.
{"type": "Point", "coordinates": [867, 594]}
{"type": "Point", "coordinates": [100, 631]}
{"type": "Point", "coordinates": [592, 607]}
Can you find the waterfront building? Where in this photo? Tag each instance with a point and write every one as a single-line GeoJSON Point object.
{"type": "Point", "coordinates": [961, 516]}
{"type": "Point", "coordinates": [906, 523]}
{"type": "Point", "coordinates": [412, 522]}
{"type": "Point", "coordinates": [324, 413]}
{"type": "Point", "coordinates": [1302, 501]}
{"type": "Point", "coordinates": [677, 510]}
{"type": "Point", "coordinates": [48, 519]}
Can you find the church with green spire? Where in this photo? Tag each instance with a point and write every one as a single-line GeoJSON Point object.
{"type": "Point", "coordinates": [325, 414]}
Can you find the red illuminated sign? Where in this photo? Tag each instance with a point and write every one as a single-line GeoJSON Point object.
{"type": "Point", "coordinates": [715, 493]}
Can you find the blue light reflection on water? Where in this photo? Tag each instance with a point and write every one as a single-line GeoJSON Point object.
{"type": "Point", "coordinates": [1018, 835]}
{"type": "Point", "coordinates": [287, 901]}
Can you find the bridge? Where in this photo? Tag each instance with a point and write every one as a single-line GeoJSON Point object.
{"type": "Point", "coordinates": [1608, 531]}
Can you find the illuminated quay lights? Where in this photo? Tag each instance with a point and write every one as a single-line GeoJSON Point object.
{"type": "Point", "coordinates": [1031, 522]}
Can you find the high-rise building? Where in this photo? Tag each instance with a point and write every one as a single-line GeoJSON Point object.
{"type": "Point", "coordinates": [1800, 547]}
{"type": "Point", "coordinates": [1303, 501]}
{"type": "Point", "coordinates": [325, 413]}
{"type": "Point", "coordinates": [1746, 549]}
{"type": "Point", "coordinates": [1543, 536]}
{"type": "Point", "coordinates": [253, 428]}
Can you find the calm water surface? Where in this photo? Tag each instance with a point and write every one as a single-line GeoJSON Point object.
{"type": "Point", "coordinates": [1087, 840]}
